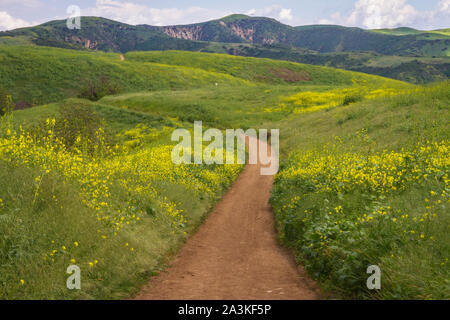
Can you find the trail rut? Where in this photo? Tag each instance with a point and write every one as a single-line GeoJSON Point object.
{"type": "Point", "coordinates": [234, 254]}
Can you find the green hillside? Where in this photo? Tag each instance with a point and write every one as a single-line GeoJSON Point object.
{"type": "Point", "coordinates": [321, 38]}
{"type": "Point", "coordinates": [93, 184]}
{"type": "Point", "coordinates": [108, 35]}
{"type": "Point", "coordinates": [260, 70]}
{"type": "Point", "coordinates": [435, 34]}
{"type": "Point", "coordinates": [366, 185]}
{"type": "Point", "coordinates": [39, 75]}
{"type": "Point", "coordinates": [417, 70]}
{"type": "Point", "coordinates": [100, 34]}
{"type": "Point", "coordinates": [336, 46]}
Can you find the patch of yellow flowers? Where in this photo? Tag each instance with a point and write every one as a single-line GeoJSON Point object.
{"type": "Point", "coordinates": [329, 170]}
{"type": "Point", "coordinates": [135, 172]}
{"type": "Point", "coordinates": [312, 101]}
{"type": "Point", "coordinates": [345, 209]}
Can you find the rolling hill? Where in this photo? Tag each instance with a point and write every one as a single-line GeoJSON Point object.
{"type": "Point", "coordinates": [37, 75]}
{"type": "Point", "coordinates": [108, 35]}
{"type": "Point", "coordinates": [92, 183]}
{"type": "Point", "coordinates": [321, 38]}
{"type": "Point", "coordinates": [100, 34]}
{"type": "Point", "coordinates": [418, 70]}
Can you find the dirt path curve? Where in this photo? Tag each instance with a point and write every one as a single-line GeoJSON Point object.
{"type": "Point", "coordinates": [234, 254]}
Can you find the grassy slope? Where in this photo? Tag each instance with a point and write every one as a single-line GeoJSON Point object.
{"type": "Point", "coordinates": [236, 102]}
{"type": "Point", "coordinates": [36, 229]}
{"type": "Point", "coordinates": [403, 119]}
{"type": "Point", "coordinates": [171, 83]}
{"type": "Point", "coordinates": [412, 269]}
{"type": "Point", "coordinates": [416, 70]}
{"type": "Point", "coordinates": [56, 216]}
{"type": "Point", "coordinates": [39, 228]}
{"type": "Point", "coordinates": [261, 70]}
{"type": "Point", "coordinates": [438, 34]}
{"type": "Point", "coordinates": [111, 36]}
{"type": "Point", "coordinates": [41, 75]}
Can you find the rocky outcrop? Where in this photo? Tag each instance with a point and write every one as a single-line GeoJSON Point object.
{"type": "Point", "coordinates": [199, 33]}
{"type": "Point", "coordinates": [87, 43]}
{"type": "Point", "coordinates": [244, 33]}
{"type": "Point", "coordinates": [187, 33]}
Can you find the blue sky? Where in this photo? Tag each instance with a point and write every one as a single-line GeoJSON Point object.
{"type": "Point", "coordinates": [422, 14]}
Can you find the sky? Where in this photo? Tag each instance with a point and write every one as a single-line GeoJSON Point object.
{"type": "Point", "coordinates": [369, 14]}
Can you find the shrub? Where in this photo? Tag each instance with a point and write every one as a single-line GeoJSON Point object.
{"type": "Point", "coordinates": [343, 211]}
{"type": "Point", "coordinates": [351, 98]}
{"type": "Point", "coordinates": [77, 127]}
{"type": "Point", "coordinates": [6, 103]}
{"type": "Point", "coordinates": [80, 120]}
{"type": "Point", "coordinates": [94, 90]}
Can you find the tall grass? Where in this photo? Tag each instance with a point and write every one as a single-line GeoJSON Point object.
{"type": "Point", "coordinates": [358, 196]}
{"type": "Point", "coordinates": [116, 211]}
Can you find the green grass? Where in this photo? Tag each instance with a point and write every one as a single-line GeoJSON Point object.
{"type": "Point", "coordinates": [31, 226]}
{"type": "Point", "coordinates": [172, 89]}
{"type": "Point", "coordinates": [411, 268]}
{"type": "Point", "coordinates": [116, 119]}
{"type": "Point", "coordinates": [233, 106]}
{"type": "Point", "coordinates": [40, 75]}
{"type": "Point", "coordinates": [43, 215]}
{"type": "Point", "coordinates": [404, 119]}
{"type": "Point", "coordinates": [260, 69]}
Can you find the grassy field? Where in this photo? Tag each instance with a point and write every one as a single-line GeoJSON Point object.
{"type": "Point", "coordinates": [367, 185]}
{"type": "Point", "coordinates": [92, 183]}
{"type": "Point", "coordinates": [418, 57]}
{"type": "Point", "coordinates": [116, 210]}
{"type": "Point", "coordinates": [40, 75]}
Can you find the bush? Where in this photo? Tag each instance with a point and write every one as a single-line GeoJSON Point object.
{"type": "Point", "coordinates": [6, 103]}
{"type": "Point", "coordinates": [77, 126]}
{"type": "Point", "coordinates": [343, 211]}
{"type": "Point", "coordinates": [94, 90]}
{"type": "Point", "coordinates": [352, 98]}
{"type": "Point", "coordinates": [80, 120]}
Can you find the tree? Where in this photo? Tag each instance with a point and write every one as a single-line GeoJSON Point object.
{"type": "Point", "coordinates": [94, 90]}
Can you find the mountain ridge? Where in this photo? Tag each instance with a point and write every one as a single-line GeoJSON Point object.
{"type": "Point", "coordinates": [348, 48]}
{"type": "Point", "coordinates": [118, 36]}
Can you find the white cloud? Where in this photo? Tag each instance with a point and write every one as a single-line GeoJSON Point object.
{"type": "Point", "coordinates": [251, 12]}
{"type": "Point", "coordinates": [275, 11]}
{"type": "Point", "coordinates": [286, 15]}
{"type": "Point", "coordinates": [132, 13]}
{"type": "Point", "coordinates": [128, 11]}
{"type": "Point", "coordinates": [7, 22]}
{"type": "Point", "coordinates": [375, 14]}
{"type": "Point", "coordinates": [334, 18]}
{"type": "Point", "coordinates": [444, 6]}
{"type": "Point", "coordinates": [22, 3]}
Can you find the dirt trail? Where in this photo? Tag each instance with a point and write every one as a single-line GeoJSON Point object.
{"type": "Point", "coordinates": [235, 254]}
